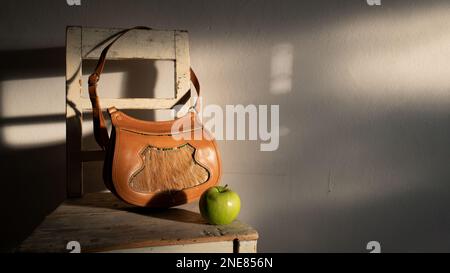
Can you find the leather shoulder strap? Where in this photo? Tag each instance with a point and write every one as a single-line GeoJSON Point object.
{"type": "Point", "coordinates": [100, 130]}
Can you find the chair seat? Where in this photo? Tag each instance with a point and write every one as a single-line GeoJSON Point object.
{"type": "Point", "coordinates": [100, 222]}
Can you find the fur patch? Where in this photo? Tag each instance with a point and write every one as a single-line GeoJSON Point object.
{"type": "Point", "coordinates": [168, 169]}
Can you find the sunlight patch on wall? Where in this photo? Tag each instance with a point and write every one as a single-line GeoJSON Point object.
{"type": "Point", "coordinates": [32, 97]}
{"type": "Point", "coordinates": [31, 114]}
{"type": "Point", "coordinates": [33, 135]}
{"type": "Point", "coordinates": [282, 68]}
{"type": "Point", "coordinates": [388, 56]}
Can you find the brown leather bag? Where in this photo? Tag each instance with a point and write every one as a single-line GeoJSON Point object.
{"type": "Point", "coordinates": [148, 163]}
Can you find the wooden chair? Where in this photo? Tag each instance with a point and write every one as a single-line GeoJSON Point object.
{"type": "Point", "coordinates": [99, 222]}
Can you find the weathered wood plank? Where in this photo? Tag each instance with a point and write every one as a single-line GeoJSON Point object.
{"type": "Point", "coordinates": [250, 246]}
{"type": "Point", "coordinates": [102, 223]}
{"type": "Point", "coordinates": [182, 64]}
{"type": "Point", "coordinates": [214, 247]}
{"type": "Point", "coordinates": [138, 103]}
{"type": "Point", "coordinates": [137, 44]}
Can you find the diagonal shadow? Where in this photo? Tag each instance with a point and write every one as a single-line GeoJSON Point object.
{"type": "Point", "coordinates": [33, 179]}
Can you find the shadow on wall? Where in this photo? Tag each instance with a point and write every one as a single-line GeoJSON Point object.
{"type": "Point", "coordinates": [33, 177]}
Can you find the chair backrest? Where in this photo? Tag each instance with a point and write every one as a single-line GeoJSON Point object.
{"type": "Point", "coordinates": [87, 44]}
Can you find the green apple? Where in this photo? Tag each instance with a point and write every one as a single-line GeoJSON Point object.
{"type": "Point", "coordinates": [220, 205]}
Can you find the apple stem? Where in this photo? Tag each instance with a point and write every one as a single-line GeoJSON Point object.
{"type": "Point", "coordinates": [224, 188]}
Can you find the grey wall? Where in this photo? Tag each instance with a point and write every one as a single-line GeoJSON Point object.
{"type": "Point", "coordinates": [364, 153]}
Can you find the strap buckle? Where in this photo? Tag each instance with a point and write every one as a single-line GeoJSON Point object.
{"type": "Point", "coordinates": [94, 78]}
{"type": "Point", "coordinates": [193, 108]}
